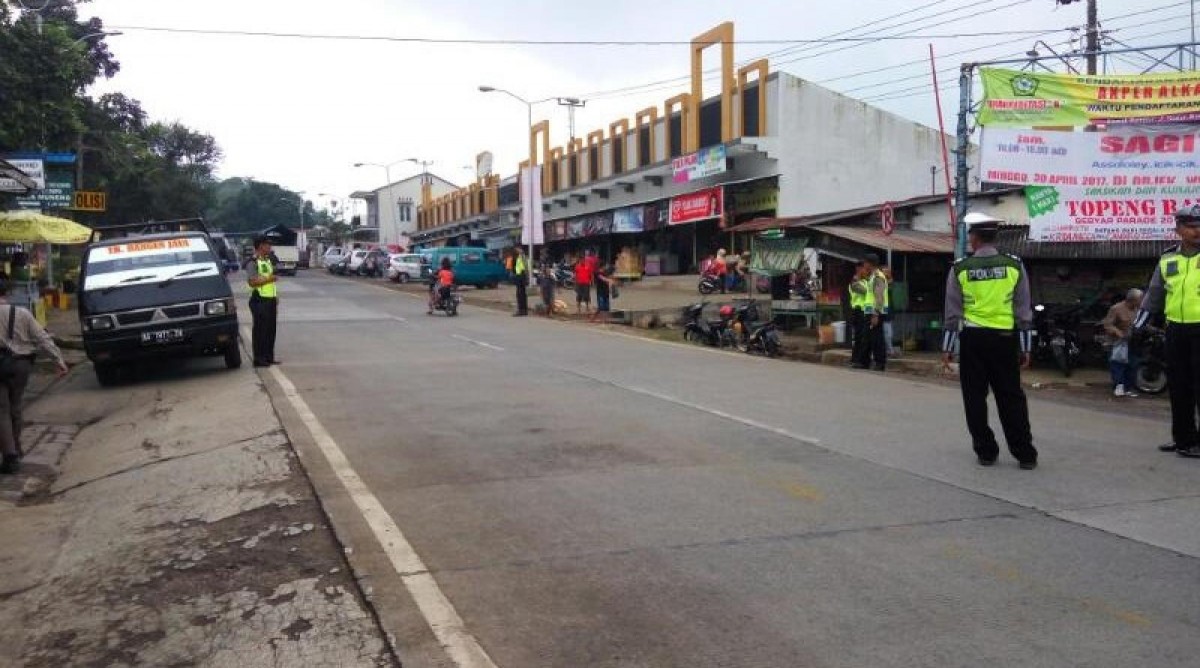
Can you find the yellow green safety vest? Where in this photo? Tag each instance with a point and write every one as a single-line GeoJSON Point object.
{"type": "Point", "coordinates": [1181, 278]}
{"type": "Point", "coordinates": [858, 300]}
{"type": "Point", "coordinates": [520, 265]}
{"type": "Point", "coordinates": [988, 285]}
{"type": "Point", "coordinates": [265, 268]}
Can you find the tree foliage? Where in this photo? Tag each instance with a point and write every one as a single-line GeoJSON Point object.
{"type": "Point", "coordinates": [151, 170]}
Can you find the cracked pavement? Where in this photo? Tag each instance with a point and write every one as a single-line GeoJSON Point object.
{"type": "Point", "coordinates": [180, 531]}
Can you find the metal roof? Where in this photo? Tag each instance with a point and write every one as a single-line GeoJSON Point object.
{"type": "Point", "coordinates": [1015, 240]}
{"type": "Point", "coordinates": [900, 241]}
{"type": "Point", "coordinates": [762, 224]}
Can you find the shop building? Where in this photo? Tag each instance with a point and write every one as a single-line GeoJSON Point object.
{"type": "Point", "coordinates": [663, 188]}
{"type": "Point", "coordinates": [392, 209]}
{"type": "Point", "coordinates": [485, 214]}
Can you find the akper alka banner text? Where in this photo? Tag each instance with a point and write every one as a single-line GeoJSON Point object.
{"type": "Point", "coordinates": [1013, 98]}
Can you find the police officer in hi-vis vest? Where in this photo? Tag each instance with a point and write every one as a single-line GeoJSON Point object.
{"type": "Point", "coordinates": [264, 302]}
{"type": "Point", "coordinates": [1175, 293]}
{"type": "Point", "coordinates": [989, 315]}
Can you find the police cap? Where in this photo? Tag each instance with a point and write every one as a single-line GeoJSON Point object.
{"type": "Point", "coordinates": [260, 240]}
{"type": "Point", "coordinates": [981, 222]}
{"type": "Point", "coordinates": [1188, 215]}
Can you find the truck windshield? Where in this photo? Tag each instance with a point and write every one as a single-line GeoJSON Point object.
{"type": "Point", "coordinates": [158, 259]}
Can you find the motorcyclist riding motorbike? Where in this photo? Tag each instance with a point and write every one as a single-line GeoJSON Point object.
{"type": "Point", "coordinates": [441, 283]}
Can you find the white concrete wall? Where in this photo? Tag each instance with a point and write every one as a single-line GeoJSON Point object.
{"type": "Point", "coordinates": [838, 153]}
{"type": "Point", "coordinates": [936, 217]}
{"type": "Point", "coordinates": [391, 228]}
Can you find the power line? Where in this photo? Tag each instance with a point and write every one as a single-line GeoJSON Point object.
{"type": "Point", "coordinates": [679, 79]}
{"type": "Point", "coordinates": [928, 87]}
{"type": "Point", "coordinates": [863, 40]}
{"type": "Point", "coordinates": [954, 68]}
{"type": "Point", "coordinates": [533, 42]}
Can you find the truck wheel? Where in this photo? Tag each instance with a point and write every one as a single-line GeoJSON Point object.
{"type": "Point", "coordinates": [402, 278]}
{"type": "Point", "coordinates": [233, 356]}
{"type": "Point", "coordinates": [106, 374]}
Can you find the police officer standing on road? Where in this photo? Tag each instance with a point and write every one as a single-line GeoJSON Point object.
{"type": "Point", "coordinates": [264, 302]}
{"type": "Point", "coordinates": [988, 313]}
{"type": "Point", "coordinates": [1175, 292]}
{"type": "Point", "coordinates": [521, 276]}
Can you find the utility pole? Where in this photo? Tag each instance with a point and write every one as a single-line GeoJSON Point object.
{"type": "Point", "coordinates": [571, 103]}
{"type": "Point", "coordinates": [1093, 35]}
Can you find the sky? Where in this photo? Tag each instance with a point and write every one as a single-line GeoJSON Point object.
{"type": "Point", "coordinates": [302, 112]}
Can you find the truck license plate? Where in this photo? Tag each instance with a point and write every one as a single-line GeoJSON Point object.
{"type": "Point", "coordinates": [162, 336]}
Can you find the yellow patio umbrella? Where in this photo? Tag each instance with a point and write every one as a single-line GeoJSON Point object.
{"type": "Point", "coordinates": [36, 227]}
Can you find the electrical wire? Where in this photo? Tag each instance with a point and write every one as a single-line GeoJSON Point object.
{"type": "Point", "coordinates": [596, 94]}
{"type": "Point", "coordinates": [928, 87]}
{"type": "Point", "coordinates": [535, 42]}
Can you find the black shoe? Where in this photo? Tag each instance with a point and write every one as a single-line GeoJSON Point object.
{"type": "Point", "coordinates": [1192, 452]}
{"type": "Point", "coordinates": [878, 368]}
{"type": "Point", "coordinates": [520, 315]}
{"type": "Point", "coordinates": [262, 364]}
{"type": "Point", "coordinates": [987, 462]}
{"type": "Point", "coordinates": [856, 365]}
{"type": "Point", "coordinates": [11, 464]}
{"type": "Point", "coordinates": [1167, 447]}
{"type": "Point", "coordinates": [1028, 466]}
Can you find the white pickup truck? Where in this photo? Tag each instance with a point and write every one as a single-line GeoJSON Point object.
{"type": "Point", "coordinates": [289, 258]}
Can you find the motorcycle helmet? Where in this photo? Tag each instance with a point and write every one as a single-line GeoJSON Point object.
{"type": "Point", "coordinates": [726, 311]}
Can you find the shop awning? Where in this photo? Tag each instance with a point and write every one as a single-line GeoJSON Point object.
{"type": "Point", "coordinates": [1015, 240]}
{"type": "Point", "coordinates": [900, 241]}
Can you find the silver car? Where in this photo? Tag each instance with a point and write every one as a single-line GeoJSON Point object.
{"type": "Point", "coordinates": [405, 267]}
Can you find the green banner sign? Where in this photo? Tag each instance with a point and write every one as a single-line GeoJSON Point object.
{"type": "Point", "coordinates": [1026, 99]}
{"type": "Point", "coordinates": [56, 195]}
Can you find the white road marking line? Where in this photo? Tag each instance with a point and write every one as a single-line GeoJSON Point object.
{"type": "Point", "coordinates": [462, 647]}
{"type": "Point", "coordinates": [754, 424]}
{"type": "Point", "coordinates": [482, 344]}
{"type": "Point", "coordinates": [399, 319]}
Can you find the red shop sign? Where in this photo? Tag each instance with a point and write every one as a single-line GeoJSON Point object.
{"type": "Point", "coordinates": [700, 205]}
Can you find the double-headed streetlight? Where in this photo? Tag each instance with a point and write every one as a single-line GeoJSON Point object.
{"type": "Point", "coordinates": [528, 206]}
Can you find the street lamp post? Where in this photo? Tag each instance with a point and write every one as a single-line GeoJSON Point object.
{"type": "Point", "coordinates": [532, 160]}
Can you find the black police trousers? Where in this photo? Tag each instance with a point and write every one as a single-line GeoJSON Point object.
{"type": "Point", "coordinates": [869, 348]}
{"type": "Point", "coordinates": [265, 311]}
{"type": "Point", "coordinates": [991, 359]}
{"type": "Point", "coordinates": [1183, 376]}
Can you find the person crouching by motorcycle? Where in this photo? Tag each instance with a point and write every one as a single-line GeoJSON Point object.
{"type": "Point", "coordinates": [1118, 324]}
{"type": "Point", "coordinates": [440, 284]}
{"type": "Point", "coordinates": [1175, 292]}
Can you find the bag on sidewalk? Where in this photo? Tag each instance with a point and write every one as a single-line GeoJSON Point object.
{"type": "Point", "coordinates": [1120, 352]}
{"type": "Point", "coordinates": [8, 360]}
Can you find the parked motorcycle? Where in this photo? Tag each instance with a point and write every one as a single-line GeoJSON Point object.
{"type": "Point", "coordinates": [710, 283]}
{"type": "Point", "coordinates": [1150, 369]}
{"type": "Point", "coordinates": [564, 277]}
{"type": "Point", "coordinates": [447, 301]}
{"type": "Point", "coordinates": [699, 329]}
{"type": "Point", "coordinates": [1057, 338]}
{"type": "Point", "coordinates": [754, 337]}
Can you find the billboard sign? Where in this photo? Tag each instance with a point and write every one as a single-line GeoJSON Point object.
{"type": "Point", "coordinates": [1122, 185]}
{"type": "Point", "coordinates": [629, 219]}
{"type": "Point", "coordinates": [1015, 98]}
{"type": "Point", "coordinates": [705, 162]}
{"type": "Point", "coordinates": [697, 206]}
{"type": "Point", "coordinates": [34, 169]}
{"type": "Point", "coordinates": [56, 195]}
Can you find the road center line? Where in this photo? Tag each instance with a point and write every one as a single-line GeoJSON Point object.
{"type": "Point", "coordinates": [447, 626]}
{"type": "Point", "coordinates": [482, 344]}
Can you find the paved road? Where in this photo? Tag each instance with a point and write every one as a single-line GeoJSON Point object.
{"type": "Point", "coordinates": [589, 499]}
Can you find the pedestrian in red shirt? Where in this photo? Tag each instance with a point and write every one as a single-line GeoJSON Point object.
{"type": "Point", "coordinates": [584, 273]}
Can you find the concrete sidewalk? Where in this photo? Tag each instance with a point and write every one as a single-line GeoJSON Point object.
{"type": "Point", "coordinates": [179, 529]}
